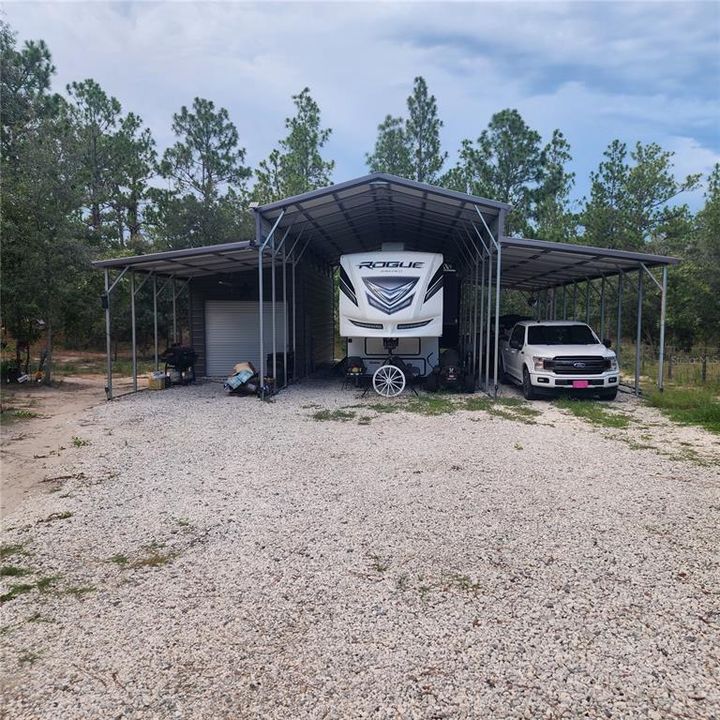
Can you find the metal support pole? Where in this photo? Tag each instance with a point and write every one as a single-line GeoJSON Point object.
{"type": "Point", "coordinates": [261, 317]}
{"type": "Point", "coordinates": [663, 310]}
{"type": "Point", "coordinates": [155, 323]}
{"type": "Point", "coordinates": [475, 316]}
{"type": "Point", "coordinates": [108, 339]}
{"type": "Point", "coordinates": [602, 309]}
{"type": "Point", "coordinates": [487, 335]}
{"type": "Point", "coordinates": [618, 329]}
{"type": "Point", "coordinates": [133, 329]}
{"type": "Point", "coordinates": [574, 317]}
{"type": "Point", "coordinates": [174, 294]}
{"type": "Point", "coordinates": [285, 319]}
{"type": "Point", "coordinates": [564, 302]}
{"type": "Point", "coordinates": [587, 302]}
{"type": "Point", "coordinates": [274, 327]}
{"type": "Point", "coordinates": [482, 320]}
{"type": "Point", "coordinates": [294, 327]}
{"type": "Point", "coordinates": [498, 285]}
{"type": "Point", "coordinates": [638, 334]}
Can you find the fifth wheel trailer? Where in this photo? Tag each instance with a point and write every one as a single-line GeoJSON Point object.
{"type": "Point", "coordinates": [391, 312]}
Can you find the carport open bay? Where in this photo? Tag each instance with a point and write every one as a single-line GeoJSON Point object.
{"type": "Point", "coordinates": [319, 556]}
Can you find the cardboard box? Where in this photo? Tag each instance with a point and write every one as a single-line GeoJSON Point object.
{"type": "Point", "coordinates": [157, 380]}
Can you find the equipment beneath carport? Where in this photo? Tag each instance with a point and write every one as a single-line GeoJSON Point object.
{"type": "Point", "coordinates": [179, 364]}
{"type": "Point", "coordinates": [245, 381]}
{"type": "Point", "coordinates": [450, 374]}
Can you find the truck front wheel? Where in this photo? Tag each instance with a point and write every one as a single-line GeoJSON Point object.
{"type": "Point", "coordinates": [529, 392]}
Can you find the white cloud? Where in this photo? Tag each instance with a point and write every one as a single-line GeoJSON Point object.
{"type": "Point", "coordinates": [646, 71]}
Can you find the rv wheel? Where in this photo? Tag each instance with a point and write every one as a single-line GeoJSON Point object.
{"type": "Point", "coordinates": [388, 380]}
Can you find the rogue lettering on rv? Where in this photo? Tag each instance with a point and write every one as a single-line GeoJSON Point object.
{"type": "Point", "coordinates": [374, 265]}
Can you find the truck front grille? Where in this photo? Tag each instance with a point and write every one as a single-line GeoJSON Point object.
{"type": "Point", "coordinates": [577, 365]}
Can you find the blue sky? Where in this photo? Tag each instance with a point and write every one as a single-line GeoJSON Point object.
{"type": "Point", "coordinates": [645, 71]}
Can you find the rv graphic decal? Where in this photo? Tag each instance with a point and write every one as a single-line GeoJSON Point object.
{"type": "Point", "coordinates": [378, 264]}
{"type": "Point", "coordinates": [390, 294]}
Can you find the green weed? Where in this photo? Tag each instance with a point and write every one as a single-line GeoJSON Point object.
{"type": "Point", "coordinates": [339, 415]}
{"type": "Point", "coordinates": [13, 571]}
{"type": "Point", "coordinates": [15, 591]}
{"type": "Point", "coordinates": [79, 442]}
{"type": "Point", "coordinates": [689, 406]}
{"type": "Point", "coordinates": [593, 412]}
{"type": "Point", "coordinates": [7, 551]}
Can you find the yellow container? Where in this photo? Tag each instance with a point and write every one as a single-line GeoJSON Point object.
{"type": "Point", "coordinates": [156, 381]}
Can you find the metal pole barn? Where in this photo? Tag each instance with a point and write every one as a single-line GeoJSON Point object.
{"type": "Point", "coordinates": [155, 323]}
{"type": "Point", "coordinates": [638, 334]}
{"type": "Point", "coordinates": [108, 338]}
{"type": "Point", "coordinates": [663, 310]}
{"type": "Point", "coordinates": [132, 325]}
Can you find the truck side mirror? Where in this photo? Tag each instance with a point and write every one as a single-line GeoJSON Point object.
{"type": "Point", "coordinates": [607, 342]}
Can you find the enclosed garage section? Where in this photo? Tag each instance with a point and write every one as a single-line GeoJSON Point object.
{"type": "Point", "coordinates": [232, 334]}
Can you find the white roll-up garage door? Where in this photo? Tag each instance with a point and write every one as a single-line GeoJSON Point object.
{"type": "Point", "coordinates": [232, 333]}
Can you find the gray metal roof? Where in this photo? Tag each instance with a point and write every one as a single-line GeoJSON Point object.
{"type": "Point", "coordinates": [190, 262]}
{"type": "Point", "coordinates": [536, 264]}
{"type": "Point", "coordinates": [360, 214]}
{"type": "Point", "coordinates": [363, 213]}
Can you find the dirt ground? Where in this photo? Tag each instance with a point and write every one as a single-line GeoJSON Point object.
{"type": "Point", "coordinates": [34, 450]}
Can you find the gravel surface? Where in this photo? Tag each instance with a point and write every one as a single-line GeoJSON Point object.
{"type": "Point", "coordinates": [226, 558]}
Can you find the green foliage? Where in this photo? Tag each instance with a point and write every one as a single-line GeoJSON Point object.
{"type": "Point", "coordinates": [392, 150]}
{"type": "Point", "coordinates": [297, 166]}
{"type": "Point", "coordinates": [594, 412]}
{"type": "Point", "coordinates": [628, 203]}
{"type": "Point", "coordinates": [206, 202]}
{"type": "Point", "coordinates": [689, 406]}
{"type": "Point", "coordinates": [410, 147]}
{"type": "Point", "coordinates": [507, 163]}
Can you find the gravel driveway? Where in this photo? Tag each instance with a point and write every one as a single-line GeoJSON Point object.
{"type": "Point", "coordinates": [217, 557]}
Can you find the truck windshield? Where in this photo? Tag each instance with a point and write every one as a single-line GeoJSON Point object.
{"type": "Point", "coordinates": [560, 335]}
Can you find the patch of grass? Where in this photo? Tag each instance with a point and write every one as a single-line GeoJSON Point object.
{"type": "Point", "coordinates": [119, 559]}
{"type": "Point", "coordinates": [378, 564]}
{"type": "Point", "coordinates": [153, 560]}
{"type": "Point", "coordinates": [183, 522]}
{"type": "Point", "coordinates": [56, 516]}
{"type": "Point", "coordinates": [15, 591]}
{"type": "Point", "coordinates": [7, 551]}
{"type": "Point", "coordinates": [518, 446]}
{"type": "Point", "coordinates": [13, 571]}
{"type": "Point", "coordinates": [464, 583]}
{"type": "Point", "coordinates": [79, 442]}
{"type": "Point", "coordinates": [477, 403]}
{"type": "Point", "coordinates": [385, 408]}
{"type": "Point", "coordinates": [79, 591]}
{"type": "Point", "coordinates": [339, 415]}
{"type": "Point", "coordinates": [364, 420]}
{"type": "Point", "coordinates": [28, 657]}
{"type": "Point", "coordinates": [45, 583]}
{"type": "Point", "coordinates": [432, 405]}
{"type": "Point", "coordinates": [11, 414]}
{"type": "Point", "coordinates": [593, 412]}
{"type": "Point", "coordinates": [689, 406]}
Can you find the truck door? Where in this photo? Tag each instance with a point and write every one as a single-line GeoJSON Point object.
{"type": "Point", "coordinates": [513, 364]}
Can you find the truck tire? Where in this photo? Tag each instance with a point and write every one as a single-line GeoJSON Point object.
{"type": "Point", "coordinates": [609, 394]}
{"type": "Point", "coordinates": [529, 392]}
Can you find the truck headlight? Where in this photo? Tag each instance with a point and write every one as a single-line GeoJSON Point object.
{"type": "Point", "coordinates": [613, 363]}
{"type": "Point", "coordinates": [539, 362]}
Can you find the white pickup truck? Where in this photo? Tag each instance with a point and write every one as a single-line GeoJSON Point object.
{"type": "Point", "coordinates": [559, 356]}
